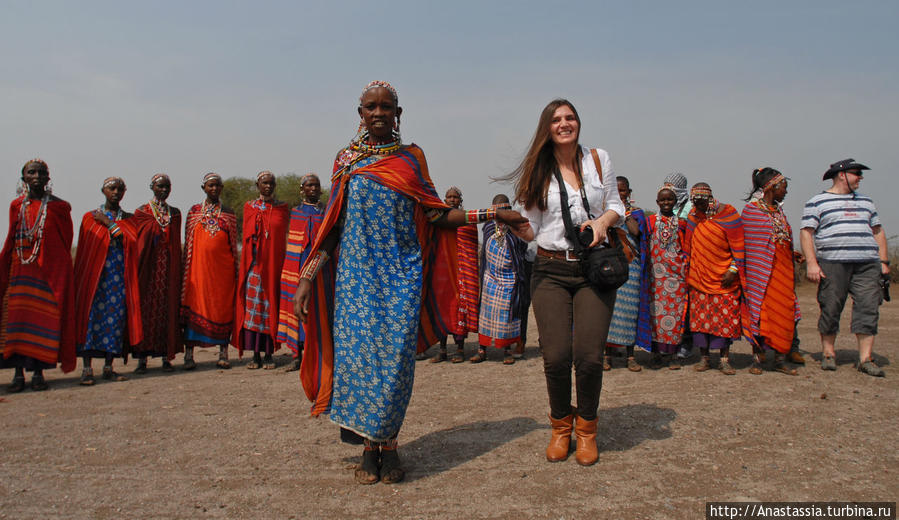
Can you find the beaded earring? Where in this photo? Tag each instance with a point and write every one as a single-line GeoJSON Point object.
{"type": "Point", "coordinates": [21, 188]}
{"type": "Point", "coordinates": [49, 187]}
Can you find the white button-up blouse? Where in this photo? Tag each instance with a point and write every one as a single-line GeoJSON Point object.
{"type": "Point", "coordinates": [548, 226]}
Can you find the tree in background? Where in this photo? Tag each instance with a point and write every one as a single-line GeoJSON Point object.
{"type": "Point", "coordinates": [239, 190]}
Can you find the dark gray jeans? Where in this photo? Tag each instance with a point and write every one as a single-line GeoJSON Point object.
{"type": "Point", "coordinates": [573, 322]}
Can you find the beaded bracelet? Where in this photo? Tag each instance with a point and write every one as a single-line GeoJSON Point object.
{"type": "Point", "coordinates": [476, 216]}
{"type": "Point", "coordinates": [114, 230]}
{"type": "Point", "coordinates": [314, 265]}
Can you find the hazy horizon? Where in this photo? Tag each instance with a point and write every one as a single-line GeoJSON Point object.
{"type": "Point", "coordinates": [709, 89]}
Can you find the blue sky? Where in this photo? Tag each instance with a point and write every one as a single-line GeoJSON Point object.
{"type": "Point", "coordinates": [712, 89]}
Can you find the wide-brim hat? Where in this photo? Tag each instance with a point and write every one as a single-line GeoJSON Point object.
{"type": "Point", "coordinates": [842, 166]}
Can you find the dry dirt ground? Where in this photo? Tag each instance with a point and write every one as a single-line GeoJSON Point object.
{"type": "Point", "coordinates": [240, 444]}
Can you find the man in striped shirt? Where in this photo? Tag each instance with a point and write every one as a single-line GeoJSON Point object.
{"type": "Point", "coordinates": [846, 250]}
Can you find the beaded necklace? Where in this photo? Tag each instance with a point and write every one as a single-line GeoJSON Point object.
{"type": "Point", "coordinates": [261, 219]}
{"type": "Point", "coordinates": [666, 229]}
{"type": "Point", "coordinates": [110, 215]}
{"type": "Point", "coordinates": [34, 234]}
{"type": "Point", "coordinates": [778, 221]}
{"type": "Point", "coordinates": [161, 212]}
{"type": "Point", "coordinates": [211, 214]}
{"type": "Point", "coordinates": [362, 146]}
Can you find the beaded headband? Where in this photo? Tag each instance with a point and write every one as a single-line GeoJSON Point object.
{"type": "Point", "coordinates": [211, 175]}
{"type": "Point", "coordinates": [262, 174]}
{"type": "Point", "coordinates": [380, 84]}
{"type": "Point", "coordinates": [700, 191]}
{"type": "Point", "coordinates": [111, 181]}
{"type": "Point", "coordinates": [308, 177]}
{"type": "Point", "coordinates": [664, 187]}
{"type": "Point", "coordinates": [158, 177]}
{"type": "Point", "coordinates": [777, 179]}
{"type": "Point", "coordinates": [36, 161]}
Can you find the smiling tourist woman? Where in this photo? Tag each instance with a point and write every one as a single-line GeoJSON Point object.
{"type": "Point", "coordinates": [36, 282]}
{"type": "Point", "coordinates": [394, 287]}
{"type": "Point", "coordinates": [572, 316]}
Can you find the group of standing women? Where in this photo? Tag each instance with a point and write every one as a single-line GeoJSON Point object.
{"type": "Point", "coordinates": [140, 292]}
{"type": "Point", "coordinates": [373, 276]}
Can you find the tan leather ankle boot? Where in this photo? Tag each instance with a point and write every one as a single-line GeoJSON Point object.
{"type": "Point", "coordinates": [561, 438]}
{"type": "Point", "coordinates": [585, 452]}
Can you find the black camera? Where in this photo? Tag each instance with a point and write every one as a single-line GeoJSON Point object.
{"type": "Point", "coordinates": [885, 286]}
{"type": "Point", "coordinates": [585, 237]}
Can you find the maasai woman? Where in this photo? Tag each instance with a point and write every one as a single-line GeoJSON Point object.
{"type": "Point", "coordinates": [159, 271]}
{"type": "Point", "coordinates": [668, 286]}
{"type": "Point", "coordinates": [469, 286]}
{"type": "Point", "coordinates": [770, 292]}
{"type": "Point", "coordinates": [714, 247]}
{"type": "Point", "coordinates": [395, 283]}
{"type": "Point", "coordinates": [107, 296]}
{"type": "Point", "coordinates": [565, 186]}
{"type": "Point", "coordinates": [265, 222]}
{"type": "Point", "coordinates": [632, 299]}
{"type": "Point", "coordinates": [37, 328]}
{"type": "Point", "coordinates": [210, 274]}
{"type": "Point", "coordinates": [503, 285]}
{"type": "Point", "coordinates": [305, 220]}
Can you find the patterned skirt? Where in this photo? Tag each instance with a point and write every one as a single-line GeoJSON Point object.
{"type": "Point", "coordinates": [668, 290]}
{"type": "Point", "coordinates": [377, 304]}
{"type": "Point", "coordinates": [623, 327]}
{"type": "Point", "coordinates": [106, 321]}
{"type": "Point", "coordinates": [715, 314]}
{"type": "Point", "coordinates": [495, 323]}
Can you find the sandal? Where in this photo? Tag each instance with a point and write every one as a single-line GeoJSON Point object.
{"type": "Point", "coordinates": [508, 360]}
{"type": "Point", "coordinates": [190, 364]}
{"type": "Point", "coordinates": [223, 364]}
{"type": "Point", "coordinates": [38, 384]}
{"type": "Point", "coordinates": [656, 362]}
{"type": "Point", "coordinates": [167, 366]}
{"type": "Point", "coordinates": [480, 357]}
{"type": "Point", "coordinates": [725, 368]}
{"type": "Point", "coordinates": [293, 367]}
{"type": "Point", "coordinates": [606, 363]}
{"type": "Point", "coordinates": [391, 472]}
{"type": "Point", "coordinates": [268, 364]}
{"type": "Point", "coordinates": [458, 357]}
{"type": "Point", "coordinates": [868, 367]}
{"type": "Point", "coordinates": [255, 364]}
{"type": "Point", "coordinates": [674, 363]}
{"type": "Point", "coordinates": [703, 364]}
{"type": "Point", "coordinates": [632, 365]}
{"type": "Point", "coordinates": [18, 384]}
{"type": "Point", "coordinates": [141, 368]}
{"type": "Point", "coordinates": [367, 472]}
{"type": "Point", "coordinates": [111, 375]}
{"type": "Point", "coordinates": [828, 363]}
{"type": "Point", "coordinates": [87, 377]}
{"type": "Point", "coordinates": [755, 369]}
{"type": "Point", "coordinates": [439, 358]}
{"type": "Point", "coordinates": [784, 369]}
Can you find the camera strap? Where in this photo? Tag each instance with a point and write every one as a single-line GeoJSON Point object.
{"type": "Point", "coordinates": [570, 233]}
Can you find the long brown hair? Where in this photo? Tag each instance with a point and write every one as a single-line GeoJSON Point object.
{"type": "Point", "coordinates": [532, 176]}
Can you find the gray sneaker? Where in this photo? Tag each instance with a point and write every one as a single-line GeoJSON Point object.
{"type": "Point", "coordinates": [684, 353]}
{"type": "Point", "coordinates": [868, 367]}
{"type": "Point", "coordinates": [828, 363]}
